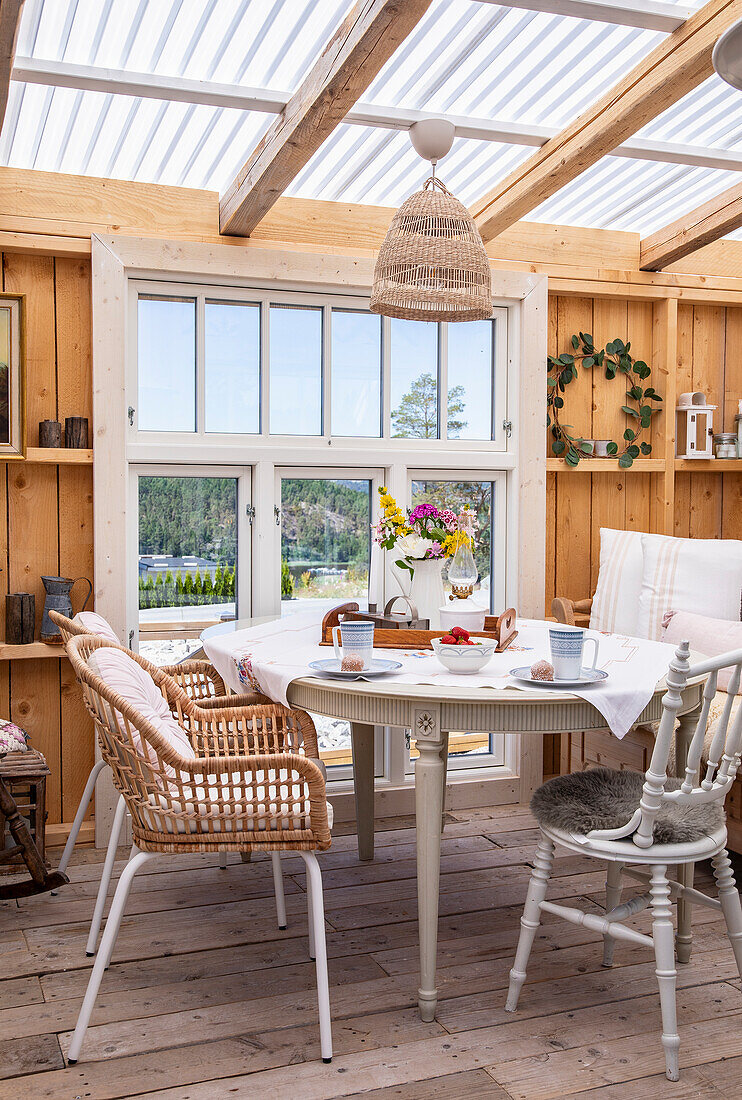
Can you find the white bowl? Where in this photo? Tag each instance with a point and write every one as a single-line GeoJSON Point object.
{"type": "Point", "coordinates": [465, 659]}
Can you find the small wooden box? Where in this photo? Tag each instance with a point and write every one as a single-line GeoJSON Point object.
{"type": "Point", "coordinates": [386, 619]}
{"type": "Point", "coordinates": [24, 773]}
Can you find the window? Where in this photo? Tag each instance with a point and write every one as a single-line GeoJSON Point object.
{"type": "Point", "coordinates": [295, 370]}
{"type": "Point", "coordinates": [356, 373]}
{"type": "Point", "coordinates": [256, 363]}
{"type": "Point", "coordinates": [167, 364]}
{"type": "Point", "coordinates": [232, 360]}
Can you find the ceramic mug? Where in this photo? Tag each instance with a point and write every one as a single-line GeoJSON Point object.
{"type": "Point", "coordinates": [567, 646]}
{"type": "Point", "coordinates": [354, 638]}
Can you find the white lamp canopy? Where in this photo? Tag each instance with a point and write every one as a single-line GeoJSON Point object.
{"type": "Point", "coordinates": [727, 56]}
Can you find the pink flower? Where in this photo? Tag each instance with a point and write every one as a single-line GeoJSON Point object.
{"type": "Point", "coordinates": [449, 518]}
{"type": "Point", "coordinates": [436, 550]}
{"type": "Point", "coordinates": [423, 511]}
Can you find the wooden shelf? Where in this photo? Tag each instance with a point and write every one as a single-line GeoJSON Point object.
{"type": "Point", "coordinates": [32, 651]}
{"type": "Point", "coordinates": [709, 465]}
{"type": "Point", "coordinates": [606, 466]}
{"type": "Point", "coordinates": [60, 456]}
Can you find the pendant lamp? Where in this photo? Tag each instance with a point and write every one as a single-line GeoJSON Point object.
{"type": "Point", "coordinates": [432, 265]}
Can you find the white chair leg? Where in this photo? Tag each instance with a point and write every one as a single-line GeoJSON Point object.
{"type": "Point", "coordinates": [317, 919]}
{"type": "Point", "coordinates": [105, 879]}
{"type": "Point", "coordinates": [106, 948]}
{"type": "Point", "coordinates": [222, 859]}
{"type": "Point", "coordinates": [663, 935]}
{"type": "Point", "coordinates": [310, 910]}
{"type": "Point", "coordinates": [730, 903]}
{"type": "Point", "coordinates": [531, 918]}
{"type": "Point", "coordinates": [612, 899]}
{"type": "Point", "coordinates": [278, 887]}
{"type": "Point", "coordinates": [82, 809]}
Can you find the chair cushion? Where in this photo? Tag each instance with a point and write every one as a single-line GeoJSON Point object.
{"type": "Point", "coordinates": [123, 675]}
{"type": "Point", "coordinates": [96, 624]}
{"type": "Point", "coordinates": [601, 798]}
{"type": "Point", "coordinates": [699, 575]}
{"type": "Point", "coordinates": [712, 637]}
{"type": "Point", "coordinates": [615, 605]}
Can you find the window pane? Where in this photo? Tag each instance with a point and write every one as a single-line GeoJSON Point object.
{"type": "Point", "coordinates": [295, 370]}
{"type": "Point", "coordinates": [356, 373]}
{"type": "Point", "coordinates": [166, 364]}
{"type": "Point", "coordinates": [232, 367]}
{"type": "Point", "coordinates": [478, 498]}
{"type": "Point", "coordinates": [325, 557]}
{"type": "Point", "coordinates": [414, 385]}
{"type": "Point", "coordinates": [187, 557]}
{"type": "Point", "coordinates": [470, 359]}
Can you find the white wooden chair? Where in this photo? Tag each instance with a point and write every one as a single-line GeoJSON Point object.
{"type": "Point", "coordinates": [649, 821]}
{"type": "Point", "coordinates": [217, 778]}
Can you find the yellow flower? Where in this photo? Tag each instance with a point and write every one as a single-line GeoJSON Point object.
{"type": "Point", "coordinates": [452, 542]}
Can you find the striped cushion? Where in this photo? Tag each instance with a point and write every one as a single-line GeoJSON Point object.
{"type": "Point", "coordinates": [699, 575]}
{"type": "Point", "coordinates": [616, 601]}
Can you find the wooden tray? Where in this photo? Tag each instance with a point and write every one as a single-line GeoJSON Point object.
{"type": "Point", "coordinates": [499, 627]}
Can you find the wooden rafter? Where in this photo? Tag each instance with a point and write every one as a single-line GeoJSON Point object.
{"type": "Point", "coordinates": [10, 18]}
{"type": "Point", "coordinates": [708, 222]}
{"type": "Point", "coordinates": [356, 54]}
{"type": "Point", "coordinates": [678, 65]}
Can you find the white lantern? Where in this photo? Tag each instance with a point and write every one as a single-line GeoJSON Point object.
{"type": "Point", "coordinates": [694, 424]}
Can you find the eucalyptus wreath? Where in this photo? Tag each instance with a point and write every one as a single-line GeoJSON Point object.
{"type": "Point", "coordinates": [616, 359]}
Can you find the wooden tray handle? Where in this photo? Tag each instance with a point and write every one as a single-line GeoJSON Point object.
{"type": "Point", "coordinates": [332, 618]}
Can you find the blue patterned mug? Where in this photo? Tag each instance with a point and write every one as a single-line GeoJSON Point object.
{"type": "Point", "coordinates": [356, 640]}
{"type": "Point", "coordinates": [567, 647]}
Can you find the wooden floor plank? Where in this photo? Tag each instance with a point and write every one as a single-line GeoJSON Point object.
{"type": "Point", "coordinates": [206, 998]}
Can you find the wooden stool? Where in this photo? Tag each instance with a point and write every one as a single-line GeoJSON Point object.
{"type": "Point", "coordinates": [25, 773]}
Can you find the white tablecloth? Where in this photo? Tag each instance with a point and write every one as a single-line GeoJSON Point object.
{"type": "Point", "coordinates": [267, 658]}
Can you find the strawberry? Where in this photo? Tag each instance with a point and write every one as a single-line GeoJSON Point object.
{"type": "Point", "coordinates": [448, 639]}
{"type": "Point", "coordinates": [459, 632]}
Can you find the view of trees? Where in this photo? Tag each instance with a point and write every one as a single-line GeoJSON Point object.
{"type": "Point", "coordinates": [189, 516]}
{"type": "Point", "coordinates": [416, 416]}
{"type": "Point", "coordinates": [325, 522]}
{"type": "Point", "coordinates": [188, 590]}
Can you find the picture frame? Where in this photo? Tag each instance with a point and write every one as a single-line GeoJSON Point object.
{"type": "Point", "coordinates": [12, 377]}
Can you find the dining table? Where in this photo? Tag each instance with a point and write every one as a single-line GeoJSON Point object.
{"type": "Point", "coordinates": [429, 712]}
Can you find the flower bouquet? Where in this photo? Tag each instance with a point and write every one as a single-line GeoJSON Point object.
{"type": "Point", "coordinates": [421, 540]}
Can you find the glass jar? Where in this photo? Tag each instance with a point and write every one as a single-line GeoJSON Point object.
{"type": "Point", "coordinates": [725, 445]}
{"type": "Point", "coordinates": [738, 426]}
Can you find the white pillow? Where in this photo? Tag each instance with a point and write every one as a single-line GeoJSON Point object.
{"type": "Point", "coordinates": [123, 675]}
{"type": "Point", "coordinates": [711, 637]}
{"type": "Point", "coordinates": [96, 624]}
{"type": "Point", "coordinates": [699, 575]}
{"type": "Point", "coordinates": [616, 601]}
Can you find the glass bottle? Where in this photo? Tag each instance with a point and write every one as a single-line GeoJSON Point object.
{"type": "Point", "coordinates": [462, 572]}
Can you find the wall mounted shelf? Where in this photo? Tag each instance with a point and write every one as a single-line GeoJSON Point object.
{"type": "Point", "coordinates": [606, 466]}
{"type": "Point", "coordinates": [32, 651]}
{"type": "Point", "coordinates": [709, 465]}
{"type": "Point", "coordinates": [60, 456]}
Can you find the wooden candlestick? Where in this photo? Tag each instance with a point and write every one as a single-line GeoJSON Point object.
{"type": "Point", "coordinates": [20, 618]}
{"type": "Point", "coordinates": [76, 431]}
{"type": "Point", "coordinates": [50, 433]}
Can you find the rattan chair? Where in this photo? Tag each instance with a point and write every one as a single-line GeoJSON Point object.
{"type": "Point", "coordinates": [648, 821]}
{"type": "Point", "coordinates": [249, 788]}
{"type": "Point", "coordinates": [194, 681]}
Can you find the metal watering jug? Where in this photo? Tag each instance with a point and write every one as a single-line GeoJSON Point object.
{"type": "Point", "coordinates": [59, 598]}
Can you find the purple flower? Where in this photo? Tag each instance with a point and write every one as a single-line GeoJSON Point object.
{"type": "Point", "coordinates": [423, 511]}
{"type": "Point", "coordinates": [436, 550]}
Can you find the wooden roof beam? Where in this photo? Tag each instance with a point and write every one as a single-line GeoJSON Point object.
{"type": "Point", "coordinates": [708, 222]}
{"type": "Point", "coordinates": [678, 65]}
{"type": "Point", "coordinates": [10, 18]}
{"type": "Point", "coordinates": [362, 45]}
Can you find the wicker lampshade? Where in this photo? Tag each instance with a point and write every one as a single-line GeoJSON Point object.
{"type": "Point", "coordinates": [432, 265]}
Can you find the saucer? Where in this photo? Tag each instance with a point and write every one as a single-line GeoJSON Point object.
{"type": "Point", "coordinates": [331, 667]}
{"type": "Point", "coordinates": [587, 676]}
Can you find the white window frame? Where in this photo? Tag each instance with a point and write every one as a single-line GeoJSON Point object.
{"type": "Point", "coordinates": [118, 261]}
{"type": "Point", "coordinates": [243, 476]}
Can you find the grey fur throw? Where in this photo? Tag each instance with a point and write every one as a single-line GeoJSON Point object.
{"type": "Point", "coordinates": [601, 798]}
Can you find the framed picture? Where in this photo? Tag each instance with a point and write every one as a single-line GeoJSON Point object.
{"type": "Point", "coordinates": [12, 378]}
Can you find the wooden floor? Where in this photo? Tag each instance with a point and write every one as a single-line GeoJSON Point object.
{"type": "Point", "coordinates": [206, 999]}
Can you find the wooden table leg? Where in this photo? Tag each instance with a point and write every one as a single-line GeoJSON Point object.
{"type": "Point", "coordinates": [429, 770]}
{"type": "Point", "coordinates": [684, 937]}
{"type": "Point", "coordinates": [362, 743]}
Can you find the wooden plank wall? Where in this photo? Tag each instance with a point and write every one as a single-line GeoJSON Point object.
{"type": "Point", "coordinates": [47, 511]}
